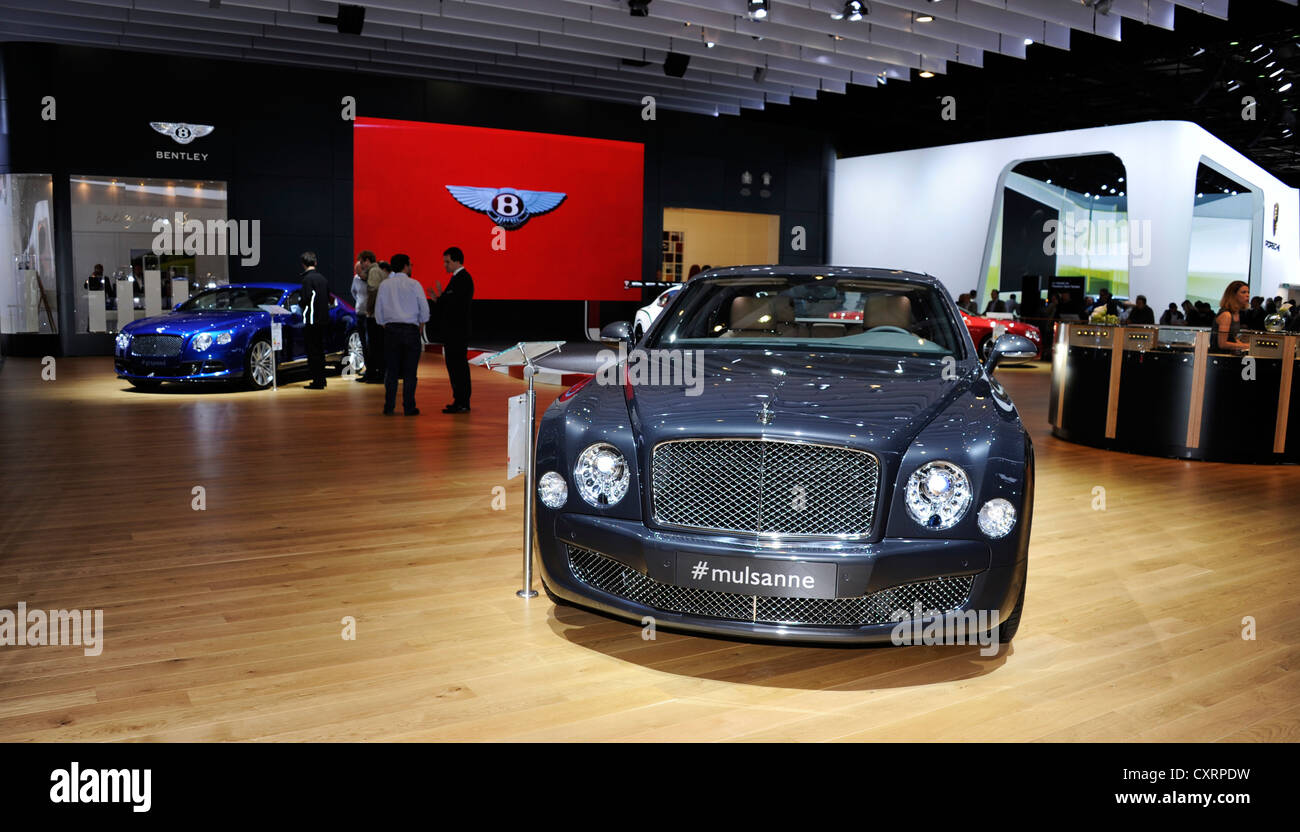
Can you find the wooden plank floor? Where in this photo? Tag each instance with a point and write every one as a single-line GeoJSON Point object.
{"type": "Point", "coordinates": [224, 624]}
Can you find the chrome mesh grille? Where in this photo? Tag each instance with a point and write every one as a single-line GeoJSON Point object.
{"type": "Point", "coordinates": [156, 345]}
{"type": "Point", "coordinates": [758, 486]}
{"type": "Point", "coordinates": [608, 575]}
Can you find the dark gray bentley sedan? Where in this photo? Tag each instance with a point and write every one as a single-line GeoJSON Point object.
{"type": "Point", "coordinates": [791, 454]}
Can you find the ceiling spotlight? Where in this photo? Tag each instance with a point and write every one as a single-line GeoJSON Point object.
{"type": "Point", "coordinates": [1284, 87]}
{"type": "Point", "coordinates": [1029, 41]}
{"type": "Point", "coordinates": [925, 18]}
{"type": "Point", "coordinates": [927, 74]}
{"type": "Point", "coordinates": [853, 11]}
{"type": "Point", "coordinates": [1275, 72]}
{"type": "Point", "coordinates": [710, 44]}
{"type": "Point", "coordinates": [639, 8]}
{"type": "Point", "coordinates": [758, 9]}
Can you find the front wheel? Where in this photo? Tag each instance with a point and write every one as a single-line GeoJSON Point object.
{"type": "Point", "coordinates": [259, 364]}
{"type": "Point", "coordinates": [354, 358]}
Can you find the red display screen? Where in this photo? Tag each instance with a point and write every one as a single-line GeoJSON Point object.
{"type": "Point", "coordinates": [570, 208]}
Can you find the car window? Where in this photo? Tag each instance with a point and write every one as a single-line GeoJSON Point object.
{"type": "Point", "coordinates": [294, 302]}
{"type": "Point", "coordinates": [814, 311]}
{"type": "Point", "coordinates": [231, 297]}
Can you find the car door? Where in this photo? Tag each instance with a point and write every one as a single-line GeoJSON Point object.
{"type": "Point", "coordinates": [295, 344]}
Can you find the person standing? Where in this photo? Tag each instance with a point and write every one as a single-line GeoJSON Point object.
{"type": "Point", "coordinates": [994, 305]}
{"type": "Point", "coordinates": [374, 330]}
{"type": "Point", "coordinates": [315, 318]}
{"type": "Point", "coordinates": [1012, 306]}
{"type": "Point", "coordinates": [361, 302]}
{"type": "Point", "coordinates": [1141, 313]}
{"type": "Point", "coordinates": [401, 308]}
{"type": "Point", "coordinates": [454, 320]}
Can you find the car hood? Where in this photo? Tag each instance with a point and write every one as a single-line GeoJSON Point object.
{"type": "Point", "coordinates": [188, 323]}
{"type": "Point", "coordinates": [876, 401]}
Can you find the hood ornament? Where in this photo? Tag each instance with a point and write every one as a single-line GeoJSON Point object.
{"type": "Point", "coordinates": [766, 416]}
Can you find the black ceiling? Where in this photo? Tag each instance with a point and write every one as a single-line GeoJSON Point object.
{"type": "Point", "coordinates": [1151, 75]}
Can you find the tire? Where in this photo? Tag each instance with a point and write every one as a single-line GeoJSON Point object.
{"type": "Point", "coordinates": [144, 383]}
{"type": "Point", "coordinates": [259, 364]}
{"type": "Point", "coordinates": [1007, 629]}
{"type": "Point", "coordinates": [555, 599]}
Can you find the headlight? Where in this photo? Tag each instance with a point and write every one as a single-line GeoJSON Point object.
{"type": "Point", "coordinates": [553, 490]}
{"type": "Point", "coordinates": [601, 475]}
{"type": "Point", "coordinates": [938, 494]}
{"type": "Point", "coordinates": [204, 340]}
{"type": "Point", "coordinates": [1032, 334]}
{"type": "Point", "coordinates": [123, 341]}
{"type": "Point", "coordinates": [997, 518]}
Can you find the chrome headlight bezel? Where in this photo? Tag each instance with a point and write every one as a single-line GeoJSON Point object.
{"type": "Point", "coordinates": [997, 518]}
{"type": "Point", "coordinates": [123, 341]}
{"type": "Point", "coordinates": [204, 340]}
{"type": "Point", "coordinates": [552, 490]}
{"type": "Point", "coordinates": [938, 494]}
{"type": "Point", "coordinates": [601, 475]}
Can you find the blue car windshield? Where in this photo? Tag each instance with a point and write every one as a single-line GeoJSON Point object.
{"type": "Point", "coordinates": [808, 311]}
{"type": "Point", "coordinates": [249, 298]}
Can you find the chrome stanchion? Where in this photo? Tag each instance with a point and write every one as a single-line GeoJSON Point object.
{"type": "Point", "coordinates": [530, 485]}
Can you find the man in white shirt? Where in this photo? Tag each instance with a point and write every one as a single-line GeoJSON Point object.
{"type": "Point", "coordinates": [401, 309]}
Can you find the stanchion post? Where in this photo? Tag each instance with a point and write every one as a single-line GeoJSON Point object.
{"type": "Point", "coordinates": [530, 474]}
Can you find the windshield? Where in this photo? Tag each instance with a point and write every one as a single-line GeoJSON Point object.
{"type": "Point", "coordinates": [807, 311]}
{"type": "Point", "coordinates": [223, 298]}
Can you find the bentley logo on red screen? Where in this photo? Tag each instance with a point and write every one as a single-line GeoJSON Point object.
{"type": "Point", "coordinates": [507, 207]}
{"type": "Point", "coordinates": [420, 188]}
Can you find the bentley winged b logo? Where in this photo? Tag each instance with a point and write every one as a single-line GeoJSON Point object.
{"type": "Point", "coordinates": [181, 132]}
{"type": "Point", "coordinates": [507, 207]}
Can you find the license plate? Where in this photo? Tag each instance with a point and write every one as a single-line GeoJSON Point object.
{"type": "Point", "coordinates": [755, 576]}
{"type": "Point", "coordinates": [151, 362]}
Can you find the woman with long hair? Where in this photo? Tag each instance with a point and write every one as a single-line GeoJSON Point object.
{"type": "Point", "coordinates": [1227, 324]}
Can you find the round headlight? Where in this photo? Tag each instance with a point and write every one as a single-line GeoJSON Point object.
{"type": "Point", "coordinates": [997, 518]}
{"type": "Point", "coordinates": [123, 340]}
{"type": "Point", "coordinates": [938, 494]}
{"type": "Point", "coordinates": [552, 489]}
{"type": "Point", "coordinates": [202, 341]}
{"type": "Point", "coordinates": [601, 475]}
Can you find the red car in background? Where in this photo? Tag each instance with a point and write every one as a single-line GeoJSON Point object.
{"type": "Point", "coordinates": [983, 331]}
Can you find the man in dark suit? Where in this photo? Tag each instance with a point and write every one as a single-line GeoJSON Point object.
{"type": "Point", "coordinates": [994, 304]}
{"type": "Point", "coordinates": [315, 318]}
{"type": "Point", "coordinates": [454, 323]}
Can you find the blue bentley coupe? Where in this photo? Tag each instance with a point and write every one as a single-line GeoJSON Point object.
{"type": "Point", "coordinates": [794, 454]}
{"type": "Point", "coordinates": [224, 334]}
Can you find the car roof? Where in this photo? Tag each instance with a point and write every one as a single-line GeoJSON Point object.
{"type": "Point", "coordinates": [813, 271]}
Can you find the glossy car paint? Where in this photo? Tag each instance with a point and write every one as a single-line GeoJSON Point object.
{"type": "Point", "coordinates": [245, 326]}
{"type": "Point", "coordinates": [646, 315]}
{"type": "Point", "coordinates": [904, 409]}
{"type": "Point", "coordinates": [982, 331]}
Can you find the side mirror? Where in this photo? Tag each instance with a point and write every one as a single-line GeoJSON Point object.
{"type": "Point", "coordinates": [1009, 346]}
{"type": "Point", "coordinates": [178, 306]}
{"type": "Point", "coordinates": [617, 331]}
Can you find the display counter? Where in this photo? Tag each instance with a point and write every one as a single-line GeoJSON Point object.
{"type": "Point", "coordinates": [1161, 391]}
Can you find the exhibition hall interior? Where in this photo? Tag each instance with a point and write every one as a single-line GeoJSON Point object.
{"type": "Point", "coordinates": [649, 370]}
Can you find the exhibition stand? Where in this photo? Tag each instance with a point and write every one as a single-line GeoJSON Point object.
{"type": "Point", "coordinates": [1160, 391]}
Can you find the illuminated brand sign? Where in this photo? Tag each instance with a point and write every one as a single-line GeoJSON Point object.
{"type": "Point", "coordinates": [506, 207]}
{"type": "Point", "coordinates": [181, 132]}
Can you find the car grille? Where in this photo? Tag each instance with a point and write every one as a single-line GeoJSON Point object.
{"type": "Point", "coordinates": [608, 575]}
{"type": "Point", "coordinates": [759, 486]}
{"type": "Point", "coordinates": [156, 345]}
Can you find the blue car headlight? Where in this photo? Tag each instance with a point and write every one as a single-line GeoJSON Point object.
{"type": "Point", "coordinates": [206, 339]}
{"type": "Point", "coordinates": [123, 341]}
{"type": "Point", "coordinates": [938, 494]}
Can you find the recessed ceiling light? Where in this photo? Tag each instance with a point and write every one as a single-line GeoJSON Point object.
{"type": "Point", "coordinates": [1029, 41]}
{"type": "Point", "coordinates": [925, 18]}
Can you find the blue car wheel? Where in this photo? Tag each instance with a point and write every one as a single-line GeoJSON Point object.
{"type": "Point", "coordinates": [259, 367]}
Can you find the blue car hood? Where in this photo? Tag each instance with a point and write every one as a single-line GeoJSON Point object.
{"type": "Point", "coordinates": [188, 323]}
{"type": "Point", "coordinates": [876, 401]}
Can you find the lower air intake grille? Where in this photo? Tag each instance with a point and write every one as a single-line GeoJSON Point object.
{"type": "Point", "coordinates": [610, 576]}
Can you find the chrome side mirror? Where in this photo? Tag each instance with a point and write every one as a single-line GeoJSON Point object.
{"type": "Point", "coordinates": [1009, 346]}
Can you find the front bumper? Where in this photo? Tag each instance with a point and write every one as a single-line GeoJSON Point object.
{"type": "Point", "coordinates": [177, 370]}
{"type": "Point", "coordinates": [622, 568]}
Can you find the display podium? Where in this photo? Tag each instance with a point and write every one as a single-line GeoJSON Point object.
{"type": "Point", "coordinates": [525, 354]}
